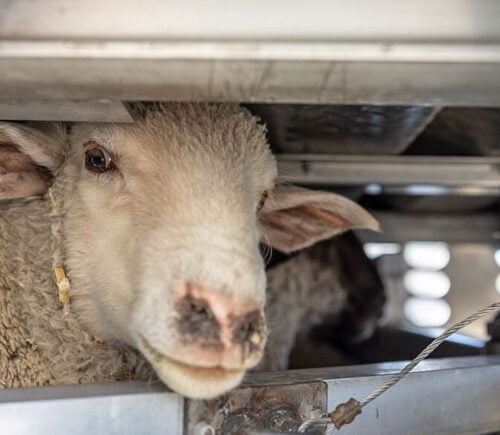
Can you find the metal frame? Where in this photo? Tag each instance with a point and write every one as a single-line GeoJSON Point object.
{"type": "Point", "coordinates": [442, 396]}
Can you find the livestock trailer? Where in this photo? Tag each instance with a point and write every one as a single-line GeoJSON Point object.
{"type": "Point", "coordinates": [394, 105]}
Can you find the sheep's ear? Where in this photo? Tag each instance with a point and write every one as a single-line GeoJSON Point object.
{"type": "Point", "coordinates": [293, 218]}
{"type": "Point", "coordinates": [29, 157]}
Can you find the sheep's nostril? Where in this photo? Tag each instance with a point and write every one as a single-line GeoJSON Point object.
{"type": "Point", "coordinates": [199, 308]}
{"type": "Point", "coordinates": [249, 331]}
{"type": "Point", "coordinates": [196, 319]}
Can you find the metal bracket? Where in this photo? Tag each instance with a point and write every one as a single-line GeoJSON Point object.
{"type": "Point", "coordinates": [256, 409]}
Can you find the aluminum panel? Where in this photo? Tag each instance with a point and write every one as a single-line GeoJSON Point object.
{"type": "Point", "coordinates": [409, 52]}
{"type": "Point", "coordinates": [121, 409]}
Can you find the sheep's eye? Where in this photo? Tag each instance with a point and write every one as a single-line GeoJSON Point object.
{"type": "Point", "coordinates": [262, 201]}
{"type": "Point", "coordinates": [98, 160]}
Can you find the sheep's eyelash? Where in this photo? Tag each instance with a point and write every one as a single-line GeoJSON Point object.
{"type": "Point", "coordinates": [91, 144]}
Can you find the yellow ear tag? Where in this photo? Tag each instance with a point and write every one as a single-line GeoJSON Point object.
{"type": "Point", "coordinates": [63, 285]}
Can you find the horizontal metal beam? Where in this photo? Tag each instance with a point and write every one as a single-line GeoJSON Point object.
{"type": "Point", "coordinates": [448, 399]}
{"type": "Point", "coordinates": [265, 81]}
{"type": "Point", "coordinates": [65, 110]}
{"type": "Point", "coordinates": [441, 396]}
{"type": "Point", "coordinates": [316, 20]}
{"type": "Point", "coordinates": [400, 227]}
{"type": "Point", "coordinates": [112, 408]}
{"type": "Point", "coordinates": [390, 170]}
{"type": "Point", "coordinates": [297, 51]}
{"type": "Point", "coordinates": [412, 52]}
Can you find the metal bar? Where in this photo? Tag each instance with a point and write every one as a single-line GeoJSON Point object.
{"type": "Point", "coordinates": [331, 374]}
{"type": "Point", "coordinates": [451, 228]}
{"type": "Point", "coordinates": [65, 110]}
{"type": "Point", "coordinates": [315, 51]}
{"type": "Point", "coordinates": [265, 81]}
{"type": "Point", "coordinates": [411, 52]}
{"type": "Point", "coordinates": [390, 170]}
{"type": "Point", "coordinates": [316, 20]}
{"type": "Point", "coordinates": [442, 396]}
{"type": "Point", "coordinates": [114, 408]}
{"type": "Point", "coordinates": [448, 400]}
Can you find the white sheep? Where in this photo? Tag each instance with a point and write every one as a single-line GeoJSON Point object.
{"type": "Point", "coordinates": [157, 226]}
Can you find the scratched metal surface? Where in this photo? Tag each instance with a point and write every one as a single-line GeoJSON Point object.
{"type": "Point", "coordinates": [406, 52]}
{"type": "Point", "coordinates": [442, 396]}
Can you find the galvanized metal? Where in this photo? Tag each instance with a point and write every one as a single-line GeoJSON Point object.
{"type": "Point", "coordinates": [442, 399]}
{"type": "Point", "coordinates": [451, 228]}
{"type": "Point", "coordinates": [114, 408]}
{"type": "Point", "coordinates": [454, 395]}
{"type": "Point", "coordinates": [319, 20]}
{"type": "Point", "coordinates": [79, 77]}
{"type": "Point", "coordinates": [65, 110]}
{"type": "Point", "coordinates": [442, 396]}
{"type": "Point", "coordinates": [412, 52]}
{"type": "Point", "coordinates": [390, 170]}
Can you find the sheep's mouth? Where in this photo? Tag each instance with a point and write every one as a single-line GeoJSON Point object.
{"type": "Point", "coordinates": [159, 357]}
{"type": "Point", "coordinates": [192, 381]}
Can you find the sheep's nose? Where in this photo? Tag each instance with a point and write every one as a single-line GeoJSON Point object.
{"type": "Point", "coordinates": [235, 329]}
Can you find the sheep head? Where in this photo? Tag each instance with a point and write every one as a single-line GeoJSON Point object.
{"type": "Point", "coordinates": [162, 221]}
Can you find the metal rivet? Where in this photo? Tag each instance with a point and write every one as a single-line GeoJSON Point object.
{"type": "Point", "coordinates": [283, 420]}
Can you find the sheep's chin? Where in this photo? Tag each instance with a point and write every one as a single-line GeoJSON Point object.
{"type": "Point", "coordinates": [191, 381]}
